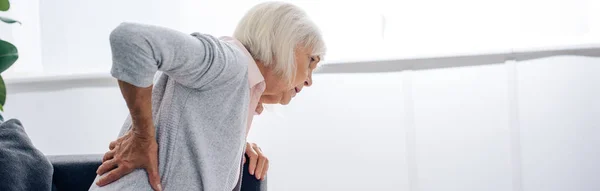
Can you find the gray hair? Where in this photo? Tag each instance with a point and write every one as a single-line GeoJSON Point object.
{"type": "Point", "coordinates": [271, 31]}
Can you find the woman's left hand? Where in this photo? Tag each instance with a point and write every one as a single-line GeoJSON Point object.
{"type": "Point", "coordinates": [259, 163]}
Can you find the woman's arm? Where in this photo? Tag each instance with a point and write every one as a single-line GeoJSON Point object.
{"type": "Point", "coordinates": [138, 147]}
{"type": "Point", "coordinates": [139, 102]}
{"type": "Point", "coordinates": [138, 52]}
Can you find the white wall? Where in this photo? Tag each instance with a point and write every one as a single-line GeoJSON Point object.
{"type": "Point", "coordinates": [527, 125]}
{"type": "Point", "coordinates": [559, 122]}
{"type": "Point", "coordinates": [434, 129]}
{"type": "Point", "coordinates": [339, 135]}
{"type": "Point", "coordinates": [461, 128]}
{"type": "Point", "coordinates": [73, 121]}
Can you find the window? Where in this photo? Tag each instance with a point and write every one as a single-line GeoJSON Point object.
{"type": "Point", "coordinates": [439, 27]}
{"type": "Point", "coordinates": [25, 37]}
{"type": "Point", "coordinates": [557, 22]}
{"type": "Point", "coordinates": [68, 36]}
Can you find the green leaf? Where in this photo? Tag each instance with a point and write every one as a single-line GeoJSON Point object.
{"type": "Point", "coordinates": [9, 20]}
{"type": "Point", "coordinates": [4, 5]}
{"type": "Point", "coordinates": [8, 55]}
{"type": "Point", "coordinates": [2, 94]}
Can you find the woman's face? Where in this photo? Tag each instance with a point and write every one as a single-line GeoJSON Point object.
{"type": "Point", "coordinates": [278, 92]}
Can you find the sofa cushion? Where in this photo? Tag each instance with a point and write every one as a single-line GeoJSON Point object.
{"type": "Point", "coordinates": [22, 166]}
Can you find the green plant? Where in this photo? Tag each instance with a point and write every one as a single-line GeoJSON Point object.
{"type": "Point", "coordinates": [8, 54]}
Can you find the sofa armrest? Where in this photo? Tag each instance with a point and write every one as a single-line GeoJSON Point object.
{"type": "Point", "coordinates": [77, 172]}
{"type": "Point", "coordinates": [74, 172]}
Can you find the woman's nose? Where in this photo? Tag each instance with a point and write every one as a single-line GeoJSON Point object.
{"type": "Point", "coordinates": [308, 81]}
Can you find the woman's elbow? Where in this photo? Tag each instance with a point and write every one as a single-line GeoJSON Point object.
{"type": "Point", "coordinates": [127, 34]}
{"type": "Point", "coordinates": [131, 55]}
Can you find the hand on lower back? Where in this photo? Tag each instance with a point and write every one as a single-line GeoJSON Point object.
{"type": "Point", "coordinates": [130, 152]}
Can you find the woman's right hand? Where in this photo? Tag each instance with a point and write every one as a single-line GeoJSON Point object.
{"type": "Point", "coordinates": [130, 152]}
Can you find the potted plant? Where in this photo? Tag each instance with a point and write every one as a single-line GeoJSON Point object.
{"type": "Point", "coordinates": [8, 55]}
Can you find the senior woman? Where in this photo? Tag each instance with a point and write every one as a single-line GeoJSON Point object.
{"type": "Point", "coordinates": [188, 130]}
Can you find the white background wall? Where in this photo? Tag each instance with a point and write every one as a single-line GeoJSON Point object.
{"type": "Point", "coordinates": [436, 129]}
{"type": "Point", "coordinates": [527, 125]}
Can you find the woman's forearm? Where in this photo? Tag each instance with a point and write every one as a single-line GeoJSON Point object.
{"type": "Point", "coordinates": [136, 148]}
{"type": "Point", "coordinates": [139, 102]}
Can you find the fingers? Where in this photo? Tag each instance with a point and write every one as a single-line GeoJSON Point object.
{"type": "Point", "coordinates": [127, 153]}
{"type": "Point", "coordinates": [112, 145]}
{"type": "Point", "coordinates": [106, 166]}
{"type": "Point", "coordinates": [113, 176]}
{"type": "Point", "coordinates": [153, 176]}
{"type": "Point", "coordinates": [260, 167]}
{"type": "Point", "coordinates": [253, 155]}
{"type": "Point", "coordinates": [266, 168]}
{"type": "Point", "coordinates": [108, 155]}
{"type": "Point", "coordinates": [259, 164]}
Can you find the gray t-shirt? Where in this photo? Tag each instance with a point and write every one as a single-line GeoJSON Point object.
{"type": "Point", "coordinates": [199, 105]}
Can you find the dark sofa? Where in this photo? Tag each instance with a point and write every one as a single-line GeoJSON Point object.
{"type": "Point", "coordinates": [23, 167]}
{"type": "Point", "coordinates": [74, 172]}
{"type": "Point", "coordinates": [77, 172]}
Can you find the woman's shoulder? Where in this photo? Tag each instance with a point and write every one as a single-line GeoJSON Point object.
{"type": "Point", "coordinates": [229, 62]}
{"type": "Point", "coordinates": [225, 49]}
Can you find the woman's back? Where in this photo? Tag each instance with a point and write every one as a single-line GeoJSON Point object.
{"type": "Point", "coordinates": [200, 119]}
